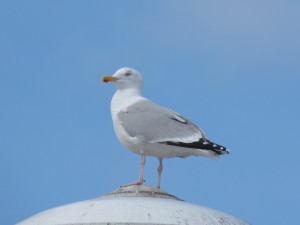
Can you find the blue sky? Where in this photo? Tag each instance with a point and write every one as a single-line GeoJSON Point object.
{"type": "Point", "coordinates": [231, 67]}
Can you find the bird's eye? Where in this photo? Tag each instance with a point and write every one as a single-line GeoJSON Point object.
{"type": "Point", "coordinates": [127, 74]}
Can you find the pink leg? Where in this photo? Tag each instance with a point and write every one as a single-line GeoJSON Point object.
{"type": "Point", "coordinates": [159, 170]}
{"type": "Point", "coordinates": [140, 180]}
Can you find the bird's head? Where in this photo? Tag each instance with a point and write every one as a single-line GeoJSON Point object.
{"type": "Point", "coordinates": [125, 78]}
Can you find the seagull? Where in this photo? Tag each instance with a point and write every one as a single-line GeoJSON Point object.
{"type": "Point", "coordinates": [149, 129]}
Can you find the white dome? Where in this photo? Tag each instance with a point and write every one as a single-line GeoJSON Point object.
{"type": "Point", "coordinates": [132, 205]}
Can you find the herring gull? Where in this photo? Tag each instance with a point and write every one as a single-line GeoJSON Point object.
{"type": "Point", "coordinates": [149, 129]}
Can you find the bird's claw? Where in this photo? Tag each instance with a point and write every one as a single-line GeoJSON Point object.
{"type": "Point", "coordinates": [139, 182]}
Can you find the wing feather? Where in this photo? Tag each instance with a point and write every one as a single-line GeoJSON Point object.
{"type": "Point", "coordinates": [157, 124]}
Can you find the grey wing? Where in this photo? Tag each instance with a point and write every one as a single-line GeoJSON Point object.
{"type": "Point", "coordinates": [157, 124]}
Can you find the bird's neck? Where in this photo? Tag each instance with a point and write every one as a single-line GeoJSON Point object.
{"type": "Point", "coordinates": [123, 98]}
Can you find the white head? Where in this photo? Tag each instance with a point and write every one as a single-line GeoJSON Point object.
{"type": "Point", "coordinates": [126, 78]}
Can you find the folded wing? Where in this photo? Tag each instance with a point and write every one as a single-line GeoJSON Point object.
{"type": "Point", "coordinates": [158, 124]}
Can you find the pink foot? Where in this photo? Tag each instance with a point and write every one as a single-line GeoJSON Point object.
{"type": "Point", "coordinates": [139, 182]}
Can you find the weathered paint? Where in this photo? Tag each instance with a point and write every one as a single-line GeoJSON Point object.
{"type": "Point", "coordinates": [133, 205]}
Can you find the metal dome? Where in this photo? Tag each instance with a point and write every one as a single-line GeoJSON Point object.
{"type": "Point", "coordinates": [132, 205]}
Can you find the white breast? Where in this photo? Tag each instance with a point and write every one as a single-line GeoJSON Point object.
{"type": "Point", "coordinates": [122, 99]}
{"type": "Point", "coordinates": [120, 102]}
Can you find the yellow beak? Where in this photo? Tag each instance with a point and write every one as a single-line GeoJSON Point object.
{"type": "Point", "coordinates": [109, 79]}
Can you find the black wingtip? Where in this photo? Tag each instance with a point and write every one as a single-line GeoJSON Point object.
{"type": "Point", "coordinates": [202, 143]}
